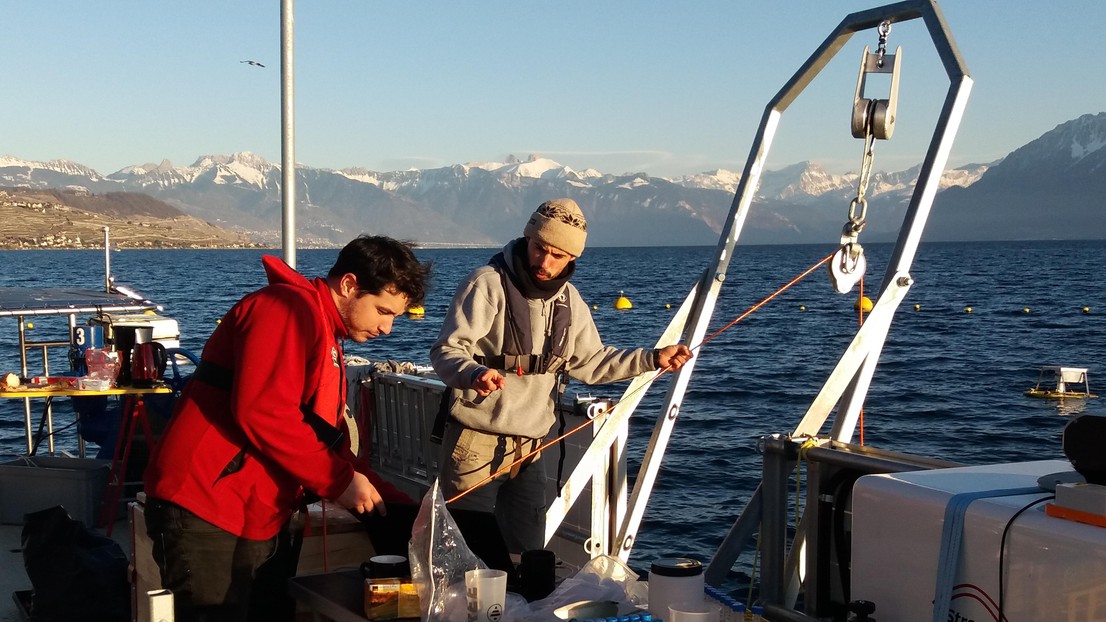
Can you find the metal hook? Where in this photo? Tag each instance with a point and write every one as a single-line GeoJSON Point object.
{"type": "Point", "coordinates": [884, 30]}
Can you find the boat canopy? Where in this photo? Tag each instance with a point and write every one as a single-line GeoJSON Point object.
{"type": "Point", "coordinates": [34, 301]}
{"type": "Point", "coordinates": [24, 302]}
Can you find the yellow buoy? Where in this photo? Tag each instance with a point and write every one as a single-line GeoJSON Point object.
{"type": "Point", "coordinates": [1025, 310]}
{"type": "Point", "coordinates": [594, 307]}
{"type": "Point", "coordinates": [30, 324]}
{"type": "Point", "coordinates": [967, 309]}
{"type": "Point", "coordinates": [917, 307]}
{"type": "Point", "coordinates": [802, 307]}
{"type": "Point", "coordinates": [1086, 309]}
{"type": "Point", "coordinates": [864, 304]}
{"type": "Point", "coordinates": [416, 311]}
{"type": "Point", "coordinates": [623, 303]}
{"type": "Point", "coordinates": [667, 306]}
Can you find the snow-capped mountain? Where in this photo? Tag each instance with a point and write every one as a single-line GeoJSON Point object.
{"type": "Point", "coordinates": [1053, 187]}
{"type": "Point", "coordinates": [487, 202]}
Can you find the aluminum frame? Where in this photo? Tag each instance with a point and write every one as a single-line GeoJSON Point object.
{"type": "Point", "coordinates": [847, 385]}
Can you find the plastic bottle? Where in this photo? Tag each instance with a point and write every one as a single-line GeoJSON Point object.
{"type": "Point", "coordinates": [672, 580]}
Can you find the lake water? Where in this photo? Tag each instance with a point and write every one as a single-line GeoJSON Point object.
{"type": "Point", "coordinates": [949, 383]}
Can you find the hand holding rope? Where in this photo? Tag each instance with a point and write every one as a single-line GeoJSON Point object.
{"type": "Point", "coordinates": [609, 409]}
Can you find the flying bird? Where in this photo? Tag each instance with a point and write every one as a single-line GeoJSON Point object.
{"type": "Point", "coordinates": [252, 62]}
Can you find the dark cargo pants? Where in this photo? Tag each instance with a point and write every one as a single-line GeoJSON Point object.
{"type": "Point", "coordinates": [210, 571]}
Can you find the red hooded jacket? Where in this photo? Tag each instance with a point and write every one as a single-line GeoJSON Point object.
{"type": "Point", "coordinates": [241, 460]}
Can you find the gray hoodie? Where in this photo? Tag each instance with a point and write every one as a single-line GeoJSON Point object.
{"type": "Point", "coordinates": [476, 323]}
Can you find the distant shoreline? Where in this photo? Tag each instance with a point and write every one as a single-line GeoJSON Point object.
{"type": "Point", "coordinates": [451, 246]}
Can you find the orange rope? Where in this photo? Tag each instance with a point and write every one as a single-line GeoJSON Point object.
{"type": "Point", "coordinates": [765, 301]}
{"type": "Point", "coordinates": [861, 307]}
{"type": "Point", "coordinates": [660, 372]}
{"type": "Point", "coordinates": [326, 559]}
{"type": "Point", "coordinates": [538, 449]}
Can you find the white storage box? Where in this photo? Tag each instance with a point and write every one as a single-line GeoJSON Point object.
{"type": "Point", "coordinates": [166, 330]}
{"type": "Point", "coordinates": [1054, 569]}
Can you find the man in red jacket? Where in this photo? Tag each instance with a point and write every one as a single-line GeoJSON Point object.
{"type": "Point", "coordinates": [260, 424]}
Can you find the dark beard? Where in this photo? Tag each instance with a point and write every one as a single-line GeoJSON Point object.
{"type": "Point", "coordinates": [524, 276]}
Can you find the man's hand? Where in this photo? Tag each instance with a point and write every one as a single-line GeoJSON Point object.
{"type": "Point", "coordinates": [490, 380]}
{"type": "Point", "coordinates": [361, 497]}
{"type": "Point", "coordinates": [673, 358]}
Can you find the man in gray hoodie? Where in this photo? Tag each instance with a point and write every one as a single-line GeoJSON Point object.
{"type": "Point", "coordinates": [515, 331]}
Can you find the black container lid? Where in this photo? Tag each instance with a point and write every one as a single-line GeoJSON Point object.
{"type": "Point", "coordinates": [677, 567]}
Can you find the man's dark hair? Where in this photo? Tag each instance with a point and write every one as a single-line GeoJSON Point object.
{"type": "Point", "coordinates": [379, 262]}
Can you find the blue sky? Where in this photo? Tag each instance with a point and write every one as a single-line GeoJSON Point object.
{"type": "Point", "coordinates": [668, 88]}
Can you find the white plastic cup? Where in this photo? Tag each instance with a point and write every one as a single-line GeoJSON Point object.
{"type": "Point", "coordinates": [485, 593]}
{"type": "Point", "coordinates": [693, 611]}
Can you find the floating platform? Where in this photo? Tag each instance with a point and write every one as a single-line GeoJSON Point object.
{"type": "Point", "coordinates": [1059, 382]}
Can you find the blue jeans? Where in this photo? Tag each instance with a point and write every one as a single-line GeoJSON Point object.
{"type": "Point", "coordinates": [209, 570]}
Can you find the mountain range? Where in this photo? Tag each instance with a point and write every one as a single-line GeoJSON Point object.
{"type": "Point", "coordinates": [1050, 188]}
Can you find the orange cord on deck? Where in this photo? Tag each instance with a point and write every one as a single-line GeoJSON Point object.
{"type": "Point", "coordinates": [326, 561]}
{"type": "Point", "coordinates": [660, 372]}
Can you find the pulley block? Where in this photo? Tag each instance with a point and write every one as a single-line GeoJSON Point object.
{"type": "Point", "coordinates": [847, 267]}
{"type": "Point", "coordinates": [876, 116]}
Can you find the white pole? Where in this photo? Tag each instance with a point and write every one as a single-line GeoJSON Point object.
{"type": "Point", "coordinates": [107, 261]}
{"type": "Point", "coordinates": [288, 132]}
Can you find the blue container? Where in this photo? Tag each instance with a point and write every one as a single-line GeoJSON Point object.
{"type": "Point", "coordinates": [83, 338]}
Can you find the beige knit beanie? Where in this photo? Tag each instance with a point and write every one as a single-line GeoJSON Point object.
{"type": "Point", "coordinates": [559, 223]}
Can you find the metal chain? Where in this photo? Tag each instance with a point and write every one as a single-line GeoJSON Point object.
{"type": "Point", "coordinates": [856, 222]}
{"type": "Point", "coordinates": [884, 30]}
{"type": "Point", "coordinates": [866, 163]}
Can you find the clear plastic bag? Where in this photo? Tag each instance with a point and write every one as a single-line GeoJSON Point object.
{"type": "Point", "coordinates": [103, 368]}
{"type": "Point", "coordinates": [439, 559]}
{"type": "Point", "coordinates": [102, 363]}
{"type": "Point", "coordinates": [603, 579]}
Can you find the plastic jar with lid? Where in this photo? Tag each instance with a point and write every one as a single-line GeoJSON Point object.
{"type": "Point", "coordinates": [674, 580]}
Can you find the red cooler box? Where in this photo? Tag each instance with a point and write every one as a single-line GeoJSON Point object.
{"type": "Point", "coordinates": [1054, 569]}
